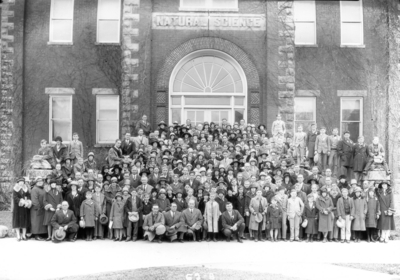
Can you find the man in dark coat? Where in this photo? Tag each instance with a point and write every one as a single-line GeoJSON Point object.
{"type": "Point", "coordinates": [174, 224]}
{"type": "Point", "coordinates": [133, 204]}
{"type": "Point", "coordinates": [193, 220]}
{"type": "Point", "coordinates": [192, 182]}
{"type": "Point", "coordinates": [37, 210]}
{"type": "Point", "coordinates": [59, 150]}
{"type": "Point", "coordinates": [66, 219]}
{"type": "Point", "coordinates": [345, 151]}
{"type": "Point", "coordinates": [128, 146]}
{"type": "Point", "coordinates": [310, 142]}
{"type": "Point", "coordinates": [144, 125]}
{"type": "Point", "coordinates": [232, 223]}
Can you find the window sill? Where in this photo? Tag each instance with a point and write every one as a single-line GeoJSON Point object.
{"type": "Point", "coordinates": [353, 46]}
{"type": "Point", "coordinates": [61, 43]}
{"type": "Point", "coordinates": [107, 44]}
{"type": "Point", "coordinates": [207, 10]}
{"type": "Point", "coordinates": [103, 145]}
{"type": "Point", "coordinates": [306, 46]}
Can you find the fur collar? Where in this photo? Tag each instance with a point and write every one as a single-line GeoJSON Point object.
{"type": "Point", "coordinates": [17, 188]}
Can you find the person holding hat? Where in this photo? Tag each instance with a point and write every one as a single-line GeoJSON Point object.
{"type": "Point", "coordinates": [21, 212]}
{"type": "Point", "coordinates": [295, 208]}
{"type": "Point", "coordinates": [193, 221]}
{"type": "Point", "coordinates": [52, 201]}
{"type": "Point", "coordinates": [116, 216]}
{"type": "Point", "coordinates": [258, 208]}
{"type": "Point", "coordinates": [211, 217]}
{"type": "Point", "coordinates": [59, 151]}
{"type": "Point", "coordinates": [100, 205]}
{"type": "Point", "coordinates": [154, 225]}
{"type": "Point", "coordinates": [345, 152]}
{"type": "Point", "coordinates": [174, 224]}
{"type": "Point", "coordinates": [345, 210]}
{"type": "Point", "coordinates": [133, 212]}
{"type": "Point", "coordinates": [89, 215]}
{"type": "Point", "coordinates": [65, 220]}
{"type": "Point", "coordinates": [310, 215]}
{"type": "Point", "coordinates": [386, 219]}
{"type": "Point", "coordinates": [325, 219]}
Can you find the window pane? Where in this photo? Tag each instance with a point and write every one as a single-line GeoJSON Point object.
{"type": "Point", "coordinates": [304, 109]}
{"type": "Point", "coordinates": [239, 101]}
{"type": "Point", "coordinates": [304, 10]}
{"type": "Point", "coordinates": [176, 115]}
{"type": "Point", "coordinates": [176, 100]}
{"type": "Point", "coordinates": [63, 129]}
{"type": "Point", "coordinates": [207, 100]}
{"type": "Point", "coordinates": [353, 128]}
{"type": "Point", "coordinates": [351, 11]}
{"type": "Point", "coordinates": [199, 116]}
{"type": "Point", "coordinates": [305, 124]}
{"type": "Point", "coordinates": [351, 33]}
{"type": "Point", "coordinates": [109, 9]}
{"type": "Point", "coordinates": [108, 107]}
{"type": "Point", "coordinates": [61, 30]}
{"type": "Point", "coordinates": [193, 3]}
{"type": "Point", "coordinates": [215, 117]}
{"type": "Point", "coordinates": [225, 115]}
{"type": "Point", "coordinates": [108, 115]}
{"type": "Point", "coordinates": [351, 110]}
{"type": "Point", "coordinates": [63, 9]}
{"type": "Point", "coordinates": [191, 115]}
{"type": "Point", "coordinates": [305, 33]}
{"type": "Point", "coordinates": [239, 115]}
{"type": "Point", "coordinates": [108, 31]}
{"type": "Point", "coordinates": [61, 107]}
{"type": "Point", "coordinates": [108, 131]}
{"type": "Point", "coordinates": [225, 4]}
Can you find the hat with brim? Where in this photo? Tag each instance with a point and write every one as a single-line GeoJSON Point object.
{"type": "Point", "coordinates": [340, 223]}
{"type": "Point", "coordinates": [59, 234]}
{"type": "Point", "coordinates": [162, 123]}
{"type": "Point", "coordinates": [163, 178]}
{"type": "Point", "coordinates": [144, 172]}
{"type": "Point", "coordinates": [384, 182]}
{"type": "Point", "coordinates": [82, 223]}
{"type": "Point", "coordinates": [304, 223]}
{"type": "Point", "coordinates": [133, 217]}
{"type": "Point", "coordinates": [21, 179]}
{"type": "Point", "coordinates": [253, 186]}
{"type": "Point", "coordinates": [103, 219]}
{"type": "Point", "coordinates": [118, 194]}
{"type": "Point", "coordinates": [357, 189]}
{"type": "Point", "coordinates": [259, 217]}
{"type": "Point", "coordinates": [165, 151]}
{"type": "Point", "coordinates": [160, 230]}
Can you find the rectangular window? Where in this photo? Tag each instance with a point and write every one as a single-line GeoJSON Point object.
{"type": "Point", "coordinates": [305, 22]}
{"type": "Point", "coordinates": [351, 116]}
{"type": "Point", "coordinates": [203, 5]}
{"type": "Point", "coordinates": [304, 112]}
{"type": "Point", "coordinates": [61, 21]}
{"type": "Point", "coordinates": [60, 117]}
{"type": "Point", "coordinates": [107, 126]}
{"type": "Point", "coordinates": [351, 19]}
{"type": "Point", "coordinates": [108, 21]}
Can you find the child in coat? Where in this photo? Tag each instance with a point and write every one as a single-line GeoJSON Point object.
{"type": "Point", "coordinates": [89, 215]}
{"type": "Point", "coordinates": [373, 213]}
{"type": "Point", "coordinates": [274, 219]}
{"type": "Point", "coordinates": [117, 216]}
{"type": "Point", "coordinates": [311, 215]}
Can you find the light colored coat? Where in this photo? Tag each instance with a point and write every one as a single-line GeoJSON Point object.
{"type": "Point", "coordinates": [300, 139]}
{"type": "Point", "coordinates": [211, 215]}
{"type": "Point", "coordinates": [254, 207]}
{"type": "Point", "coordinates": [88, 212]}
{"type": "Point", "coordinates": [359, 214]}
{"type": "Point", "coordinates": [322, 144]}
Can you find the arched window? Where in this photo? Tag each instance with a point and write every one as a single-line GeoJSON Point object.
{"type": "Point", "coordinates": [208, 85]}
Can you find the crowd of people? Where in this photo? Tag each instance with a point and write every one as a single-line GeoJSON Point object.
{"type": "Point", "coordinates": [210, 182]}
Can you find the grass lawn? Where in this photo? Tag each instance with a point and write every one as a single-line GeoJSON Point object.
{"type": "Point", "coordinates": [178, 273]}
{"type": "Point", "coordinates": [393, 269]}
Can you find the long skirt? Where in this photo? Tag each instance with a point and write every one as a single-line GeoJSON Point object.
{"type": "Point", "coordinates": [48, 215]}
{"type": "Point", "coordinates": [21, 217]}
{"type": "Point", "coordinates": [312, 226]}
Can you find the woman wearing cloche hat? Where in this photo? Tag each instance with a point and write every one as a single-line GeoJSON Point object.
{"type": "Point", "coordinates": [22, 202]}
{"type": "Point", "coordinates": [386, 219]}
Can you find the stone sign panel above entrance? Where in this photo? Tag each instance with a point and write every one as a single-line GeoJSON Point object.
{"type": "Point", "coordinates": [254, 22]}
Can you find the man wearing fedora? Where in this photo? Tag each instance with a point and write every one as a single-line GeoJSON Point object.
{"type": "Point", "coordinates": [193, 220]}
{"type": "Point", "coordinates": [174, 224]}
{"type": "Point", "coordinates": [154, 225]}
{"type": "Point", "coordinates": [133, 210]}
{"type": "Point", "coordinates": [232, 223]}
{"type": "Point", "coordinates": [64, 220]}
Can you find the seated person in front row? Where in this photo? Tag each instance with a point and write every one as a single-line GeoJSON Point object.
{"type": "Point", "coordinates": [232, 223]}
{"type": "Point", "coordinates": [66, 220]}
{"type": "Point", "coordinates": [154, 225]}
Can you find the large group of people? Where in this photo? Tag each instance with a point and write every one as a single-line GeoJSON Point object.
{"type": "Point", "coordinates": [209, 182]}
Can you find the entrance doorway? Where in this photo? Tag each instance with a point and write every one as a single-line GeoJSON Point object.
{"type": "Point", "coordinates": [208, 85]}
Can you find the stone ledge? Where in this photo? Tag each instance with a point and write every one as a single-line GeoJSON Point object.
{"type": "Point", "coordinates": [108, 91]}
{"type": "Point", "coordinates": [59, 91]}
{"type": "Point", "coordinates": [353, 46]}
{"type": "Point", "coordinates": [352, 93]}
{"type": "Point", "coordinates": [310, 93]}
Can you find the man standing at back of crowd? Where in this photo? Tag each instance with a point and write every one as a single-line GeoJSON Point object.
{"type": "Point", "coordinates": [345, 151]}
{"type": "Point", "coordinates": [144, 125]}
{"type": "Point", "coordinates": [333, 161]}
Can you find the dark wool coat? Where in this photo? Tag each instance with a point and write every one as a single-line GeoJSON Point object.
{"type": "Point", "coordinates": [360, 154]}
{"type": "Point", "coordinates": [311, 139]}
{"type": "Point", "coordinates": [74, 202]}
{"type": "Point", "coordinates": [311, 215]}
{"type": "Point", "coordinates": [359, 213]}
{"type": "Point", "coordinates": [21, 214]}
{"type": "Point", "coordinates": [54, 198]}
{"type": "Point", "coordinates": [37, 211]}
{"type": "Point", "coordinates": [373, 210]}
{"type": "Point", "coordinates": [274, 217]}
{"type": "Point", "coordinates": [88, 212]}
{"type": "Point", "coordinates": [345, 151]}
{"type": "Point", "coordinates": [386, 201]}
{"type": "Point", "coordinates": [325, 221]}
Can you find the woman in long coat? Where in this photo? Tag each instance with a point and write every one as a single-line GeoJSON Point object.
{"type": "Point", "coordinates": [52, 202]}
{"type": "Point", "coordinates": [248, 197]}
{"type": "Point", "coordinates": [100, 203]}
{"type": "Point", "coordinates": [325, 218]}
{"type": "Point", "coordinates": [360, 157]}
{"type": "Point", "coordinates": [89, 215]}
{"type": "Point", "coordinates": [211, 216]}
{"type": "Point", "coordinates": [22, 204]}
{"type": "Point", "coordinates": [373, 213]}
{"type": "Point", "coordinates": [311, 215]}
{"type": "Point", "coordinates": [386, 202]}
{"type": "Point", "coordinates": [37, 210]}
{"type": "Point", "coordinates": [258, 207]}
{"type": "Point", "coordinates": [359, 213]}
{"type": "Point", "coordinates": [117, 216]}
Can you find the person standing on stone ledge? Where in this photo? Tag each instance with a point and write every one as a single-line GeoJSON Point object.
{"type": "Point", "coordinates": [75, 148]}
{"type": "Point", "coordinates": [376, 154]}
{"type": "Point", "coordinates": [60, 151]}
{"type": "Point", "coordinates": [143, 124]}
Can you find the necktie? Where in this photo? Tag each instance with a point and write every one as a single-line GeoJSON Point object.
{"type": "Point", "coordinates": [172, 214]}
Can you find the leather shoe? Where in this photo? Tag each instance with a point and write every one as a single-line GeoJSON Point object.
{"type": "Point", "coordinates": [228, 239]}
{"type": "Point", "coordinates": [240, 240]}
{"type": "Point", "coordinates": [128, 239]}
{"type": "Point", "coordinates": [244, 238]}
{"type": "Point", "coordinates": [159, 241]}
{"type": "Point", "coordinates": [181, 240]}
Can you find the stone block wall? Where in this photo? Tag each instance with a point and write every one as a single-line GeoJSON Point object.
{"type": "Point", "coordinates": [286, 62]}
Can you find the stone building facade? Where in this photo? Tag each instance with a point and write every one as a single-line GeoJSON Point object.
{"type": "Point", "coordinates": [96, 69]}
